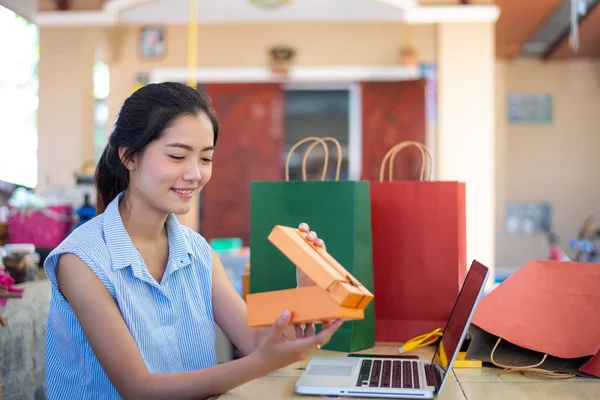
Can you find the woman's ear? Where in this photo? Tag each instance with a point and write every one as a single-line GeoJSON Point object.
{"type": "Point", "coordinates": [129, 163]}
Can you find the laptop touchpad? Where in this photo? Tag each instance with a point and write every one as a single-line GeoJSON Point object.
{"type": "Point", "coordinates": [329, 370]}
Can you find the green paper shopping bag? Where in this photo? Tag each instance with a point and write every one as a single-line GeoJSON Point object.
{"type": "Point", "coordinates": [339, 211]}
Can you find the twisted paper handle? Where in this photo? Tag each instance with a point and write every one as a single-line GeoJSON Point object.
{"type": "Point", "coordinates": [289, 156]}
{"type": "Point", "coordinates": [529, 369]}
{"type": "Point", "coordinates": [339, 158]}
{"type": "Point", "coordinates": [391, 155]}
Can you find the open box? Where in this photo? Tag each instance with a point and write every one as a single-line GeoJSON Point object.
{"type": "Point", "coordinates": [336, 294]}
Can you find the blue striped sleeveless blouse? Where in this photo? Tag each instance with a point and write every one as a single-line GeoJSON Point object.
{"type": "Point", "coordinates": [172, 322]}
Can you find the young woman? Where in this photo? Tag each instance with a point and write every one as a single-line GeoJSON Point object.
{"type": "Point", "coordinates": [136, 296]}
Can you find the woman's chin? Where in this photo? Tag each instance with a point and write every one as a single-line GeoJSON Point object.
{"type": "Point", "coordinates": [181, 209]}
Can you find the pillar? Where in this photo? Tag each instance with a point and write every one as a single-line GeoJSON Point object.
{"type": "Point", "coordinates": [66, 104]}
{"type": "Point", "coordinates": [465, 147]}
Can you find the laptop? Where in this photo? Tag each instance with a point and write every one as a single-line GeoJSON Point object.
{"type": "Point", "coordinates": [383, 377]}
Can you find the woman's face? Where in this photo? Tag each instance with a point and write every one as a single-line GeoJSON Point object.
{"type": "Point", "coordinates": [169, 174]}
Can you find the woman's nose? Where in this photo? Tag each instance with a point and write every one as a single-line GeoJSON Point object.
{"type": "Point", "coordinates": [192, 173]}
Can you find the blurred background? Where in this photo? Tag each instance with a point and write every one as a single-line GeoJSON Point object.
{"type": "Point", "coordinates": [505, 94]}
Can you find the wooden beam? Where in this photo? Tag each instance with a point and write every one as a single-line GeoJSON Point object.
{"type": "Point", "coordinates": [69, 5]}
{"type": "Point", "coordinates": [63, 5]}
{"type": "Point", "coordinates": [518, 21]}
{"type": "Point", "coordinates": [589, 38]}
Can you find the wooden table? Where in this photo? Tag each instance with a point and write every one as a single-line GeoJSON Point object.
{"type": "Point", "coordinates": [463, 384]}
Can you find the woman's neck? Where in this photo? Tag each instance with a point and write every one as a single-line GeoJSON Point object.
{"type": "Point", "coordinates": [143, 224]}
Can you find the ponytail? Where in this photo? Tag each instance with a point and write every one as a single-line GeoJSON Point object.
{"type": "Point", "coordinates": [111, 178]}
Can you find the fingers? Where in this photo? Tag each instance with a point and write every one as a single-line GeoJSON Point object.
{"type": "Point", "coordinates": [320, 243]}
{"type": "Point", "coordinates": [311, 235]}
{"type": "Point", "coordinates": [304, 227]}
{"type": "Point", "coordinates": [327, 324]}
{"type": "Point", "coordinates": [299, 331]}
{"type": "Point", "coordinates": [303, 331]}
{"type": "Point", "coordinates": [2, 321]}
{"type": "Point", "coordinates": [280, 324]}
{"type": "Point", "coordinates": [321, 338]}
{"type": "Point", "coordinates": [328, 330]}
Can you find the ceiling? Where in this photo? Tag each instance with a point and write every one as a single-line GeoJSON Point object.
{"type": "Point", "coordinates": [26, 8]}
{"type": "Point", "coordinates": [236, 11]}
{"type": "Point", "coordinates": [524, 28]}
{"type": "Point", "coordinates": [541, 29]}
{"type": "Point", "coordinates": [589, 38]}
{"type": "Point", "coordinates": [135, 12]}
{"type": "Point", "coordinates": [139, 12]}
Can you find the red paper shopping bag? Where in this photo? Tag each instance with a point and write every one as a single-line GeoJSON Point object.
{"type": "Point", "coordinates": [419, 251]}
{"type": "Point", "coordinates": [547, 307]}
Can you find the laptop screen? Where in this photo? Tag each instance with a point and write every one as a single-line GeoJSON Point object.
{"type": "Point", "coordinates": [460, 316]}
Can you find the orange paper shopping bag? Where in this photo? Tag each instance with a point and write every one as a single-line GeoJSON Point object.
{"type": "Point", "coordinates": [419, 251]}
{"type": "Point", "coordinates": [543, 319]}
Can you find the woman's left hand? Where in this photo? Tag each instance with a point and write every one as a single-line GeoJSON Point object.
{"type": "Point", "coordinates": [302, 280]}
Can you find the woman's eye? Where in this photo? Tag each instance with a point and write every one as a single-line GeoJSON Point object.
{"type": "Point", "coordinates": [176, 157]}
{"type": "Point", "coordinates": [207, 159]}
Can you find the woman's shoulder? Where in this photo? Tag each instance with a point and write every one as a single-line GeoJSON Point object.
{"type": "Point", "coordinates": [88, 237]}
{"type": "Point", "coordinates": [86, 242]}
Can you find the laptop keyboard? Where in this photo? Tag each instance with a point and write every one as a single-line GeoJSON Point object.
{"type": "Point", "coordinates": [389, 374]}
{"type": "Point", "coordinates": [432, 375]}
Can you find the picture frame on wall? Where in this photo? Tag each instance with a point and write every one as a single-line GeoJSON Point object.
{"type": "Point", "coordinates": [526, 108]}
{"type": "Point", "coordinates": [527, 218]}
{"type": "Point", "coordinates": [152, 44]}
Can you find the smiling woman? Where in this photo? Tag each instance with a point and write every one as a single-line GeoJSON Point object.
{"type": "Point", "coordinates": [136, 297]}
{"type": "Point", "coordinates": [178, 139]}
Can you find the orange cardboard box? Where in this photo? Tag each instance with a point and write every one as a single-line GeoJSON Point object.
{"type": "Point", "coordinates": [337, 293]}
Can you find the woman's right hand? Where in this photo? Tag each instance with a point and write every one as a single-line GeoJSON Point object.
{"type": "Point", "coordinates": [277, 350]}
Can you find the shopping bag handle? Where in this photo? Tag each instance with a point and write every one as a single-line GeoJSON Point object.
{"type": "Point", "coordinates": [298, 143]}
{"type": "Point", "coordinates": [397, 148]}
{"type": "Point", "coordinates": [424, 151]}
{"type": "Point", "coordinates": [528, 369]}
{"type": "Point", "coordinates": [339, 158]}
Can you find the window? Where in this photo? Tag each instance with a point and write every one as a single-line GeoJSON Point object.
{"type": "Point", "coordinates": [18, 99]}
{"type": "Point", "coordinates": [101, 91]}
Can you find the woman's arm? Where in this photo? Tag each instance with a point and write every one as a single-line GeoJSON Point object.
{"type": "Point", "coordinates": [119, 356]}
{"type": "Point", "coordinates": [231, 313]}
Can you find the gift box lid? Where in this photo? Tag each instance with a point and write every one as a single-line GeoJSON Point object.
{"type": "Point", "coordinates": [324, 270]}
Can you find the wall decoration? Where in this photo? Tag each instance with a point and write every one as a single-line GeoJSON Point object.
{"type": "Point", "coordinates": [152, 42]}
{"type": "Point", "coordinates": [140, 80]}
{"type": "Point", "coordinates": [529, 108]}
{"type": "Point", "coordinates": [280, 59]}
{"type": "Point", "coordinates": [409, 57]}
{"type": "Point", "coordinates": [527, 218]}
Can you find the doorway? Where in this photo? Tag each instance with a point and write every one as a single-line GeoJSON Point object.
{"type": "Point", "coordinates": [322, 111]}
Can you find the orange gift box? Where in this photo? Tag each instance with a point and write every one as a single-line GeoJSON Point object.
{"type": "Point", "coordinates": [336, 294]}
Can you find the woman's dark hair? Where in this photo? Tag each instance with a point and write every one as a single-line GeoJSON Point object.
{"type": "Point", "coordinates": [143, 118]}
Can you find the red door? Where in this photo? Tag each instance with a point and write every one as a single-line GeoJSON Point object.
{"type": "Point", "coordinates": [249, 147]}
{"type": "Point", "coordinates": [392, 112]}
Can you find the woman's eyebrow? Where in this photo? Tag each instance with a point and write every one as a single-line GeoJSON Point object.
{"type": "Point", "coordinates": [189, 148]}
{"type": "Point", "coordinates": [180, 145]}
